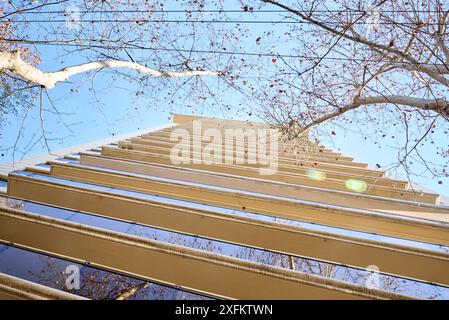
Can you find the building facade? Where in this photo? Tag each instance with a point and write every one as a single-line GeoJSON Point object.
{"type": "Point", "coordinates": [209, 208]}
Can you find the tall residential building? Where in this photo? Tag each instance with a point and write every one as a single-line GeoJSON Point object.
{"type": "Point", "coordinates": [209, 208]}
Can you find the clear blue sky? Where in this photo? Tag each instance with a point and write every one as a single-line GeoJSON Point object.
{"type": "Point", "coordinates": [118, 114]}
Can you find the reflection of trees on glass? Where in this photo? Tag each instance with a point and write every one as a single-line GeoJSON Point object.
{"type": "Point", "coordinates": [309, 266]}
{"type": "Point", "coordinates": [11, 203]}
{"type": "Point", "coordinates": [102, 285]}
{"type": "Point", "coordinates": [94, 283]}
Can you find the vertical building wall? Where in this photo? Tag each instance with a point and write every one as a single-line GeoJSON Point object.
{"type": "Point", "coordinates": [230, 209]}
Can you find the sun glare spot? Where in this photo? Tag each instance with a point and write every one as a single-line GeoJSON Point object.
{"type": "Point", "coordinates": [356, 185]}
{"type": "Point", "coordinates": [316, 175]}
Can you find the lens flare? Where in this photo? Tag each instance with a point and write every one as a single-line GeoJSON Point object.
{"type": "Point", "coordinates": [356, 185]}
{"type": "Point", "coordinates": [316, 175]}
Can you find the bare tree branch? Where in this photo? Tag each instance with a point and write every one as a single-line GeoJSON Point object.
{"type": "Point", "coordinates": [439, 35]}
{"type": "Point", "coordinates": [362, 40]}
{"type": "Point", "coordinates": [440, 106]}
{"type": "Point", "coordinates": [132, 291]}
{"type": "Point", "coordinates": [11, 61]}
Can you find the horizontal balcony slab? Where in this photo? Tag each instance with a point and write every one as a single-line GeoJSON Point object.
{"type": "Point", "coordinates": [223, 276]}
